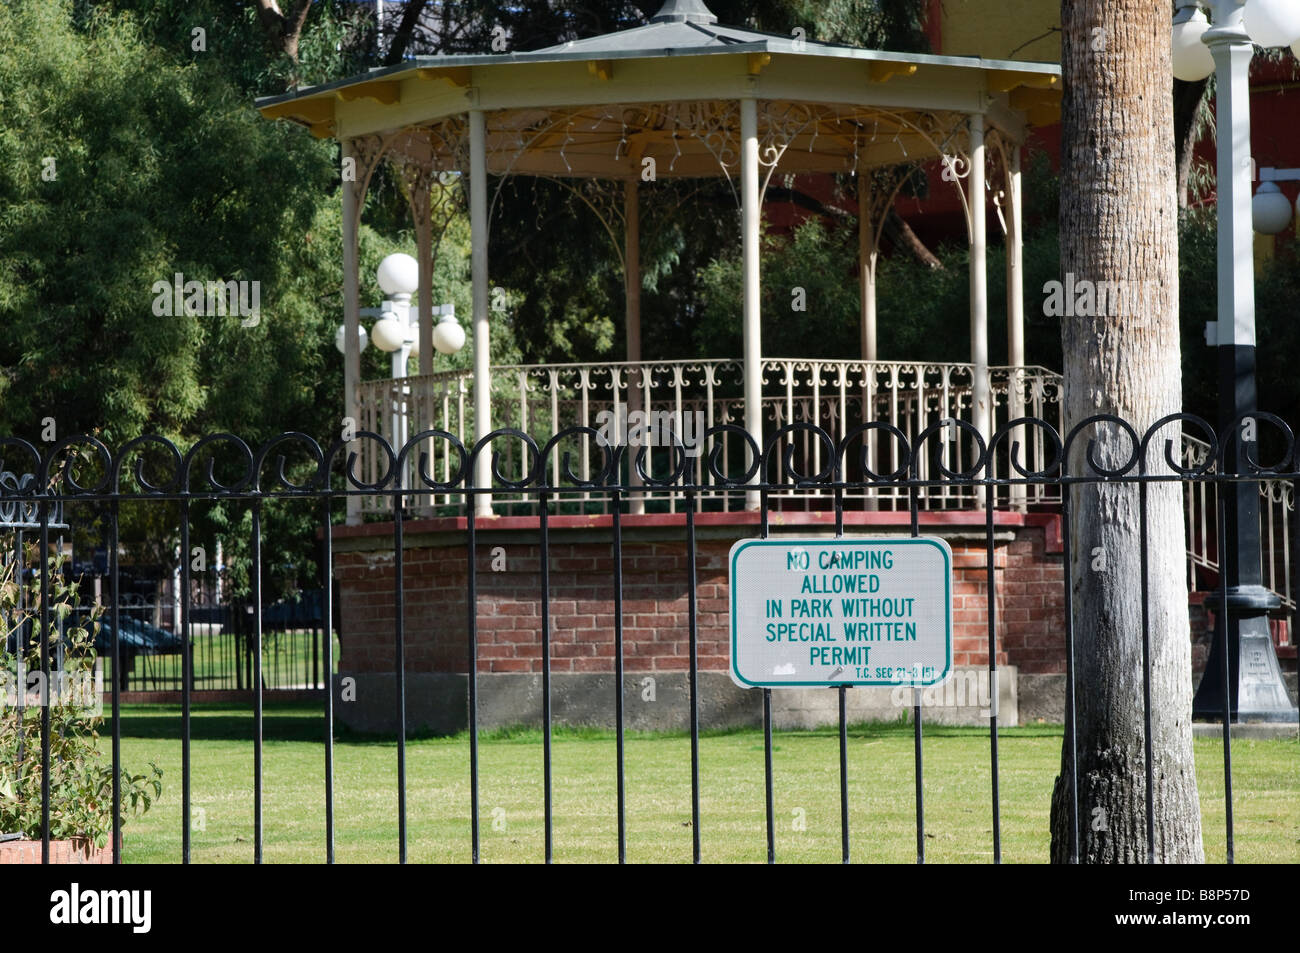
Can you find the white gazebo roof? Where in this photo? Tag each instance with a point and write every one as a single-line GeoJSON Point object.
{"type": "Point", "coordinates": [598, 107]}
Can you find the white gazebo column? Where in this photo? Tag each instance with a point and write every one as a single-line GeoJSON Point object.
{"type": "Point", "coordinates": [1015, 262]}
{"type": "Point", "coordinates": [749, 216]}
{"type": "Point", "coordinates": [632, 294]}
{"type": "Point", "coordinates": [1016, 314]}
{"type": "Point", "coordinates": [351, 312]}
{"type": "Point", "coordinates": [478, 224]}
{"type": "Point", "coordinates": [981, 406]}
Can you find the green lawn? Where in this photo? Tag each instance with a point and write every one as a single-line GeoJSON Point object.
{"type": "Point", "coordinates": [957, 791]}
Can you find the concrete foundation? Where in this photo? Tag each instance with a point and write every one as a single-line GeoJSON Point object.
{"type": "Point", "coordinates": [438, 703]}
{"type": "Point", "coordinates": [1042, 697]}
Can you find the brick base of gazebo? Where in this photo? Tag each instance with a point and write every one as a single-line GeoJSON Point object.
{"type": "Point", "coordinates": [656, 615]}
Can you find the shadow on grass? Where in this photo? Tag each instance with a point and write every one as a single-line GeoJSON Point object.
{"type": "Point", "coordinates": [304, 721]}
{"type": "Point", "coordinates": [283, 721]}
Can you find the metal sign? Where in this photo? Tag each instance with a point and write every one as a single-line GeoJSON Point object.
{"type": "Point", "coordinates": [840, 612]}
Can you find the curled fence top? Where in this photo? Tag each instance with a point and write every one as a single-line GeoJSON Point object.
{"type": "Point", "coordinates": [1103, 447]}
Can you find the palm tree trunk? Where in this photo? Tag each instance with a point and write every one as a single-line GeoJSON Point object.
{"type": "Point", "coordinates": [1119, 212]}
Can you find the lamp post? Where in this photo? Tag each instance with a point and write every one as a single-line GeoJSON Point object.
{"type": "Point", "coordinates": [395, 332]}
{"type": "Point", "coordinates": [1241, 639]}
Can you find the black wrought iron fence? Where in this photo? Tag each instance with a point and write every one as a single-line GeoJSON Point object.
{"type": "Point", "coordinates": [81, 475]}
{"type": "Point", "coordinates": [150, 654]}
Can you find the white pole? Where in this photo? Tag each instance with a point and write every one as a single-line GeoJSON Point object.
{"type": "Point", "coordinates": [401, 409]}
{"type": "Point", "coordinates": [351, 316]}
{"type": "Point", "coordinates": [1232, 52]}
{"type": "Point", "coordinates": [752, 319]}
{"type": "Point", "coordinates": [478, 223]}
{"type": "Point", "coordinates": [979, 292]}
{"type": "Point", "coordinates": [1015, 264]}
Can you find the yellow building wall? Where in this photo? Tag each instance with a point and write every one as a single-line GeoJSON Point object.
{"type": "Point", "coordinates": [1002, 29]}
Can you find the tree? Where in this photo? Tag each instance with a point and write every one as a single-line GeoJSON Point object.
{"type": "Point", "coordinates": [1190, 122]}
{"type": "Point", "coordinates": [284, 29]}
{"type": "Point", "coordinates": [127, 156]}
{"type": "Point", "coordinates": [1119, 215]}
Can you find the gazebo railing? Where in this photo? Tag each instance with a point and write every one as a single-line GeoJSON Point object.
{"type": "Point", "coordinates": [691, 396]}
{"type": "Point", "coordinates": [1277, 529]}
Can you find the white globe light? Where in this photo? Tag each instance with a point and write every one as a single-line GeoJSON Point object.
{"type": "Point", "coordinates": [1270, 210]}
{"type": "Point", "coordinates": [1272, 22]}
{"type": "Point", "coordinates": [1192, 58]}
{"type": "Point", "coordinates": [448, 335]}
{"type": "Point", "coordinates": [388, 333]}
{"type": "Point", "coordinates": [363, 339]}
{"type": "Point", "coordinates": [398, 274]}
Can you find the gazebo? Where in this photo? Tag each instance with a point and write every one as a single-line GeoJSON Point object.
{"type": "Point", "coordinates": [684, 96]}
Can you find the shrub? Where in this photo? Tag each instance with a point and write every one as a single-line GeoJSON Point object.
{"type": "Point", "coordinates": [81, 784]}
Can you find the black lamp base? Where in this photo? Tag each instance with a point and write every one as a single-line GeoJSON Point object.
{"type": "Point", "coordinates": [1258, 689]}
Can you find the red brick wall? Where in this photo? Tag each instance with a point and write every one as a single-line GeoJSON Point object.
{"type": "Point", "coordinates": [1032, 604]}
{"type": "Point", "coordinates": [655, 607]}
{"type": "Point", "coordinates": [76, 851]}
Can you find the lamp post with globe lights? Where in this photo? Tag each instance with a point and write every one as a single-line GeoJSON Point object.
{"type": "Point", "coordinates": [395, 332]}
{"type": "Point", "coordinates": [1242, 641]}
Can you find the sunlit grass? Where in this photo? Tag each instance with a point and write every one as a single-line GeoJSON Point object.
{"type": "Point", "coordinates": [958, 809]}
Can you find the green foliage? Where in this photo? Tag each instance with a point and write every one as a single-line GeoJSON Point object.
{"type": "Point", "coordinates": [922, 313]}
{"type": "Point", "coordinates": [163, 167]}
{"type": "Point", "coordinates": [160, 167]}
{"type": "Point", "coordinates": [335, 41]}
{"type": "Point", "coordinates": [1277, 287]}
{"type": "Point", "coordinates": [81, 784]}
{"type": "Point", "coordinates": [568, 293]}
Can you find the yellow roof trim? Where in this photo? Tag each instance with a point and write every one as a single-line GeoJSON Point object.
{"type": "Point", "coordinates": [308, 110]}
{"type": "Point", "coordinates": [1003, 81]}
{"type": "Point", "coordinates": [601, 69]}
{"type": "Point", "coordinates": [882, 71]}
{"type": "Point", "coordinates": [384, 91]}
{"type": "Point", "coordinates": [456, 75]}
